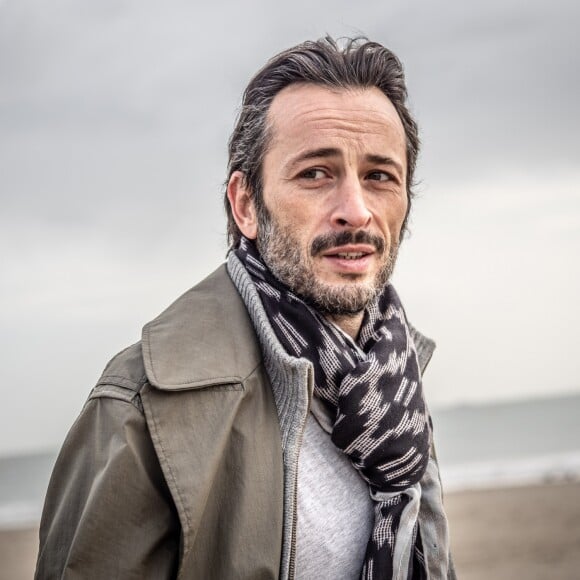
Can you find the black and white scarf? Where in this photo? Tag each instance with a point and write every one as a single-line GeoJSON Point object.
{"type": "Point", "coordinates": [373, 386]}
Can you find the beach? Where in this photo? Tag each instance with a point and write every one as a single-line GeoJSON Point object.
{"type": "Point", "coordinates": [18, 549]}
{"type": "Point", "coordinates": [530, 532]}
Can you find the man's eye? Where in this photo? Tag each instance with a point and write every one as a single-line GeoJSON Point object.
{"type": "Point", "coordinates": [379, 176]}
{"type": "Point", "coordinates": [313, 174]}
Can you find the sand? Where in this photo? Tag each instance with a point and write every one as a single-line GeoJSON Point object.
{"type": "Point", "coordinates": [530, 533]}
{"type": "Point", "coordinates": [18, 549]}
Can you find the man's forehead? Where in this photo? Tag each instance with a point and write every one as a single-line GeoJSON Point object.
{"type": "Point", "coordinates": [307, 113]}
{"type": "Point", "coordinates": [302, 103]}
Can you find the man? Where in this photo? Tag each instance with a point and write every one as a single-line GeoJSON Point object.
{"type": "Point", "coordinates": [271, 422]}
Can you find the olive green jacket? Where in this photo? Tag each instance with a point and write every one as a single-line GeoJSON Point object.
{"type": "Point", "coordinates": [182, 463]}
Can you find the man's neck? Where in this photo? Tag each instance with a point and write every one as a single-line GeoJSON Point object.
{"type": "Point", "coordinates": [348, 323]}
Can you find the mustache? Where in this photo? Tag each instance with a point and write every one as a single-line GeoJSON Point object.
{"type": "Point", "coordinates": [333, 239]}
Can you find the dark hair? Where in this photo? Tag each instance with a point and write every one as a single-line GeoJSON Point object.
{"type": "Point", "coordinates": [358, 63]}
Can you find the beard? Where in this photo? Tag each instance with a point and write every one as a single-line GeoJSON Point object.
{"type": "Point", "coordinates": [281, 252]}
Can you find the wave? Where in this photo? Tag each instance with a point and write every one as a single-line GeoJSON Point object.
{"type": "Point", "coordinates": [20, 514]}
{"type": "Point", "coordinates": [553, 468]}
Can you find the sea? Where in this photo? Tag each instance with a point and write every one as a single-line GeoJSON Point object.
{"type": "Point", "coordinates": [481, 446]}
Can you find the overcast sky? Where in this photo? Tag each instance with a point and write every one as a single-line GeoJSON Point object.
{"type": "Point", "coordinates": [114, 119]}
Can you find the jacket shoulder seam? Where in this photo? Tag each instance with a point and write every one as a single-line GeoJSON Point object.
{"type": "Point", "coordinates": [122, 381]}
{"type": "Point", "coordinates": [109, 390]}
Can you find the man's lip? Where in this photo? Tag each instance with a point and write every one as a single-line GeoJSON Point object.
{"type": "Point", "coordinates": [350, 249]}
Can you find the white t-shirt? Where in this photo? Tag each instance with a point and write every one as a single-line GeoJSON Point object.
{"type": "Point", "coordinates": [335, 510]}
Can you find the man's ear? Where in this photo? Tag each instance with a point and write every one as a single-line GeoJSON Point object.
{"type": "Point", "coordinates": [242, 204]}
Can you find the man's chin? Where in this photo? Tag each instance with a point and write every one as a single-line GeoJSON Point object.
{"type": "Point", "coordinates": [339, 299]}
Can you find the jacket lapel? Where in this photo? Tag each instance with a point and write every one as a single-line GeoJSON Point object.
{"type": "Point", "coordinates": [186, 347]}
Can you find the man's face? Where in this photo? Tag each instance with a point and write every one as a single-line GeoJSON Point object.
{"type": "Point", "coordinates": [335, 196]}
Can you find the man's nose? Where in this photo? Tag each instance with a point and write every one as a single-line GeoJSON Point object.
{"type": "Point", "coordinates": [350, 208]}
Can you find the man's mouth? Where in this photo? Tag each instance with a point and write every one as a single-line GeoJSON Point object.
{"type": "Point", "coordinates": [351, 261]}
{"type": "Point", "coordinates": [350, 255]}
{"type": "Point", "coordinates": [350, 251]}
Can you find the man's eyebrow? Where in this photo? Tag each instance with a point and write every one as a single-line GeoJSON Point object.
{"type": "Point", "coordinates": [314, 154]}
{"type": "Point", "coordinates": [334, 152]}
{"type": "Point", "coordinates": [382, 160]}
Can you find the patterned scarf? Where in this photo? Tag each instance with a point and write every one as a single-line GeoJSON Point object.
{"type": "Point", "coordinates": [373, 387]}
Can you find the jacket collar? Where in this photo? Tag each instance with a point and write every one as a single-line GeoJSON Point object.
{"type": "Point", "coordinates": [185, 346]}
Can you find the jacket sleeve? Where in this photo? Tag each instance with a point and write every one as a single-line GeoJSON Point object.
{"type": "Point", "coordinates": [108, 513]}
